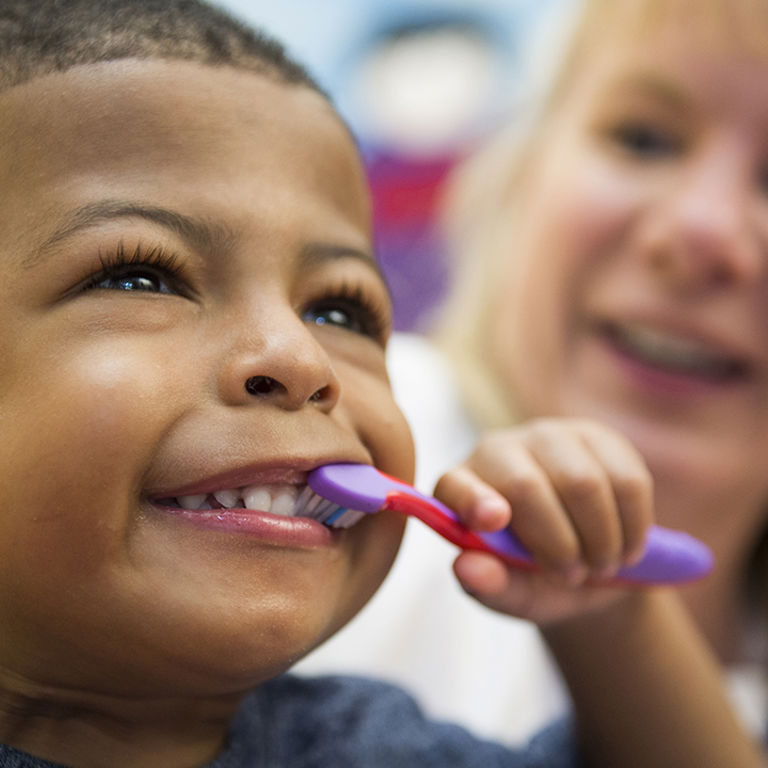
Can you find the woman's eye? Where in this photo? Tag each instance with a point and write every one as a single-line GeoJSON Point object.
{"type": "Point", "coordinates": [643, 140]}
{"type": "Point", "coordinates": [762, 181]}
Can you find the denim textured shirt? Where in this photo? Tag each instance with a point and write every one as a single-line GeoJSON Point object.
{"type": "Point", "coordinates": [350, 722]}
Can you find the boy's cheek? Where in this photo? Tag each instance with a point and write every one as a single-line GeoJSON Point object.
{"type": "Point", "coordinates": [369, 407]}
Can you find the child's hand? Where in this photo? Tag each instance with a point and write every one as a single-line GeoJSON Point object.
{"type": "Point", "coordinates": [576, 494]}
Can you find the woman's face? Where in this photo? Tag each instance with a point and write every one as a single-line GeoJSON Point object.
{"type": "Point", "coordinates": [642, 297]}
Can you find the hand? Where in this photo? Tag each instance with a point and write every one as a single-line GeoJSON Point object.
{"type": "Point", "coordinates": [576, 494]}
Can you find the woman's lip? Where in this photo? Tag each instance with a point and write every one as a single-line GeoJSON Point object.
{"type": "Point", "coordinates": [665, 380]}
{"type": "Point", "coordinates": [278, 529]}
{"type": "Point", "coordinates": [732, 347]}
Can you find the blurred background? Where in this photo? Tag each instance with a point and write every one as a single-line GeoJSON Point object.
{"type": "Point", "coordinates": [420, 82]}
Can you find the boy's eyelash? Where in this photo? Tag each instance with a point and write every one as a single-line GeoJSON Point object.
{"type": "Point", "coordinates": [114, 263]}
{"type": "Point", "coordinates": [373, 313]}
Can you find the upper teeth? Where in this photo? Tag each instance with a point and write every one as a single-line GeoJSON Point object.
{"type": "Point", "coordinates": [285, 500]}
{"type": "Point", "coordinates": [674, 351]}
{"type": "Point", "coordinates": [276, 499]}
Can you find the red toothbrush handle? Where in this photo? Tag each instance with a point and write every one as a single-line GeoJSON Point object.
{"type": "Point", "coordinates": [443, 521]}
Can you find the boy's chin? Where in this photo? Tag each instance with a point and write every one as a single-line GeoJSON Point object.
{"type": "Point", "coordinates": [222, 657]}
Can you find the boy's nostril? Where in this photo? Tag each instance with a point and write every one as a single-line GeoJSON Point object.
{"type": "Point", "coordinates": [321, 394]}
{"type": "Point", "coordinates": [263, 385]}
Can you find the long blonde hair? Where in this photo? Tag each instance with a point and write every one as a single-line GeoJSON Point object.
{"type": "Point", "coordinates": [481, 210]}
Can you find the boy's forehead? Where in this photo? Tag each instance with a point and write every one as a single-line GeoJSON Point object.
{"type": "Point", "coordinates": [142, 93]}
{"type": "Point", "coordinates": [141, 124]}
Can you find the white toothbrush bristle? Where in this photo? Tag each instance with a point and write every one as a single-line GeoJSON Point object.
{"type": "Point", "coordinates": [312, 505]}
{"type": "Point", "coordinates": [348, 519]}
{"type": "Point", "coordinates": [326, 510]}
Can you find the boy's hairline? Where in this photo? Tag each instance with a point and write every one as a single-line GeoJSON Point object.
{"type": "Point", "coordinates": [251, 64]}
{"type": "Point", "coordinates": [259, 68]}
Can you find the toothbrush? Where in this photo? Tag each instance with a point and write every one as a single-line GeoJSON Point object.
{"type": "Point", "coordinates": [350, 491]}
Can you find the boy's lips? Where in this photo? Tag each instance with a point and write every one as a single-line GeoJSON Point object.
{"type": "Point", "coordinates": [239, 477]}
{"type": "Point", "coordinates": [267, 502]}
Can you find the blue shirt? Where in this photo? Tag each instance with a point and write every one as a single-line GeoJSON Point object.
{"type": "Point", "coordinates": [349, 722]}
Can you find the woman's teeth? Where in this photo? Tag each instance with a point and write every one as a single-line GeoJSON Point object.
{"type": "Point", "coordinates": [675, 353]}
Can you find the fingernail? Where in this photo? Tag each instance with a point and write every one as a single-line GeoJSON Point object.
{"type": "Point", "coordinates": [492, 506]}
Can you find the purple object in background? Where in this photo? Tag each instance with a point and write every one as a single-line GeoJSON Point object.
{"type": "Point", "coordinates": [406, 192]}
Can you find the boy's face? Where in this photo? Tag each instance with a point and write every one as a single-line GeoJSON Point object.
{"type": "Point", "coordinates": [169, 232]}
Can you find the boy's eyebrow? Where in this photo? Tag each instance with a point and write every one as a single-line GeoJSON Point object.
{"type": "Point", "coordinates": [319, 252]}
{"type": "Point", "coordinates": [198, 233]}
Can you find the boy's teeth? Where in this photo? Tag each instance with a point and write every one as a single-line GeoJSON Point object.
{"type": "Point", "coordinates": [286, 501]}
{"type": "Point", "coordinates": [283, 503]}
{"type": "Point", "coordinates": [227, 498]}
{"type": "Point", "coordinates": [277, 500]}
{"type": "Point", "coordinates": [257, 498]}
{"type": "Point", "coordinates": [195, 501]}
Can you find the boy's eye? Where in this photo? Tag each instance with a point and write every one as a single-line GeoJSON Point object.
{"type": "Point", "coordinates": [645, 140]}
{"type": "Point", "coordinates": [133, 280]}
{"type": "Point", "coordinates": [153, 271]}
{"type": "Point", "coordinates": [349, 313]}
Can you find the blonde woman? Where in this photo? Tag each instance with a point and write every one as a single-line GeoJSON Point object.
{"type": "Point", "coordinates": [611, 266]}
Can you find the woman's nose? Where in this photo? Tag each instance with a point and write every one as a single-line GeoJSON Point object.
{"type": "Point", "coordinates": [281, 362]}
{"type": "Point", "coordinates": [704, 231]}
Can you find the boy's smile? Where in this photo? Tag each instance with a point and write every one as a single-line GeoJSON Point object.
{"type": "Point", "coordinates": [169, 233]}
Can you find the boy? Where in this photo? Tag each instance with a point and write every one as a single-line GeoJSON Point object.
{"type": "Point", "coordinates": [192, 320]}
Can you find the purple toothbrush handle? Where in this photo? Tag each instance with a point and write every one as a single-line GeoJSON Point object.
{"type": "Point", "coordinates": [670, 556]}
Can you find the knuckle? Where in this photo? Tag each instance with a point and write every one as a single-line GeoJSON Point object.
{"type": "Point", "coordinates": [581, 487]}
{"type": "Point", "coordinates": [545, 430]}
{"type": "Point", "coordinates": [632, 488]}
{"type": "Point", "coordinates": [522, 488]}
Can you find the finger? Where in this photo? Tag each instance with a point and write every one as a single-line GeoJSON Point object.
{"type": "Point", "coordinates": [585, 490]}
{"type": "Point", "coordinates": [538, 517]}
{"type": "Point", "coordinates": [525, 594]}
{"type": "Point", "coordinates": [476, 503]}
{"type": "Point", "coordinates": [481, 575]}
{"type": "Point", "coordinates": [632, 486]}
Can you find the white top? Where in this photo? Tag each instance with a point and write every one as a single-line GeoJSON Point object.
{"type": "Point", "coordinates": [463, 662]}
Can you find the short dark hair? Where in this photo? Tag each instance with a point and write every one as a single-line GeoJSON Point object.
{"type": "Point", "coordinates": [38, 37]}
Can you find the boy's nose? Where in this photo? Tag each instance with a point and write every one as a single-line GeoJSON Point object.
{"type": "Point", "coordinates": [282, 364]}
{"type": "Point", "coordinates": [266, 386]}
{"type": "Point", "coordinates": [704, 233]}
